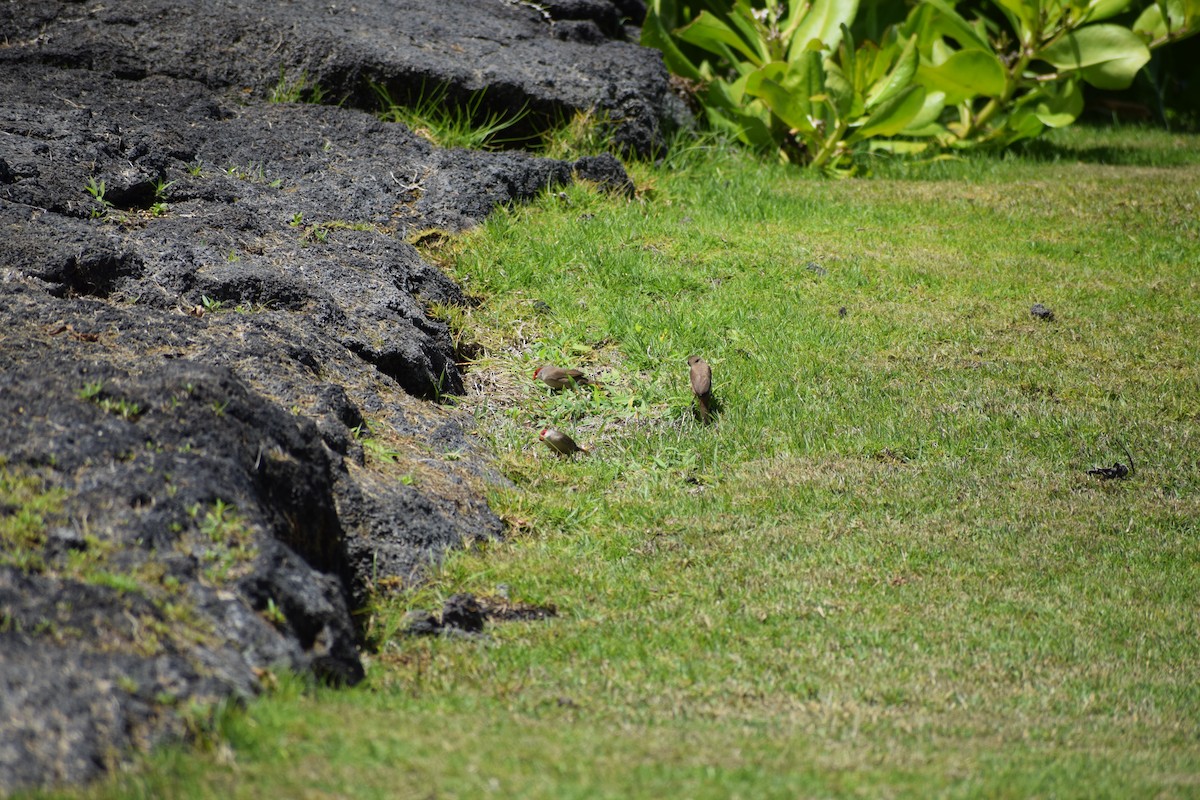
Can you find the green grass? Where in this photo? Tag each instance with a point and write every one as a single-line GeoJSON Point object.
{"type": "Point", "coordinates": [445, 121]}
{"type": "Point", "coordinates": [883, 573]}
{"type": "Point", "coordinates": [27, 508]}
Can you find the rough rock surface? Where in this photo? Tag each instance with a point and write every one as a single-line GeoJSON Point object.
{"type": "Point", "coordinates": [547, 60]}
{"type": "Point", "coordinates": [219, 379]}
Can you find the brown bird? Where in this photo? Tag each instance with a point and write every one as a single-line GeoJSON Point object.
{"type": "Point", "coordinates": [701, 375]}
{"type": "Point", "coordinates": [557, 378]}
{"type": "Point", "coordinates": [559, 442]}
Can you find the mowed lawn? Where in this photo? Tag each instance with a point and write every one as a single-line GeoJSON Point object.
{"type": "Point", "coordinates": [883, 572]}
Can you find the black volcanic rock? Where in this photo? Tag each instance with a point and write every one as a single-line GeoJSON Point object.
{"type": "Point", "coordinates": [507, 51]}
{"type": "Point", "coordinates": [212, 322]}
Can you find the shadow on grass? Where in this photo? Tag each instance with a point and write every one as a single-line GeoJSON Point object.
{"type": "Point", "coordinates": [1118, 146]}
{"type": "Point", "coordinates": [1149, 147]}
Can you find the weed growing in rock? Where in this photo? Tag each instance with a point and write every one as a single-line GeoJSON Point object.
{"type": "Point", "coordinates": [123, 583]}
{"type": "Point", "coordinates": [96, 189]}
{"type": "Point", "coordinates": [274, 614]}
{"type": "Point", "coordinates": [586, 133]}
{"type": "Point", "coordinates": [297, 90]}
{"type": "Point", "coordinates": [252, 173]}
{"type": "Point", "coordinates": [319, 231]}
{"type": "Point", "coordinates": [435, 116]}
{"type": "Point", "coordinates": [230, 546]}
{"type": "Point", "coordinates": [29, 509]}
{"type": "Point", "coordinates": [120, 406]}
{"type": "Point", "coordinates": [160, 206]}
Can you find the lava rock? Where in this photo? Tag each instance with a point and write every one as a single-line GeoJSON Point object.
{"type": "Point", "coordinates": [1039, 311]}
{"type": "Point", "coordinates": [208, 308]}
{"type": "Point", "coordinates": [505, 56]}
{"type": "Point", "coordinates": [463, 612]}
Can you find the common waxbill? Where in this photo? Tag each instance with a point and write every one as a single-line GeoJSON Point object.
{"type": "Point", "coordinates": [559, 442]}
{"type": "Point", "coordinates": [701, 375]}
{"type": "Point", "coordinates": [557, 378]}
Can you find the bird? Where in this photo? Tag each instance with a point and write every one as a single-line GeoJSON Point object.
{"type": "Point", "coordinates": [559, 442]}
{"type": "Point", "coordinates": [701, 375]}
{"type": "Point", "coordinates": [557, 378]}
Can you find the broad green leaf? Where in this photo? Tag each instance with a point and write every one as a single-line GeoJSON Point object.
{"type": "Point", "coordinates": [848, 57]}
{"type": "Point", "coordinates": [1152, 25]}
{"type": "Point", "coordinates": [899, 146]}
{"type": "Point", "coordinates": [964, 75]}
{"type": "Point", "coordinates": [932, 130]}
{"type": "Point", "coordinates": [944, 20]}
{"type": "Point", "coordinates": [1023, 15]}
{"type": "Point", "coordinates": [892, 116]}
{"type": "Point", "coordinates": [747, 127]}
{"type": "Point", "coordinates": [785, 90]}
{"type": "Point", "coordinates": [929, 113]}
{"type": "Point", "coordinates": [823, 22]}
{"type": "Point", "coordinates": [788, 106]}
{"type": "Point", "coordinates": [1022, 124]}
{"type": "Point", "coordinates": [1103, 9]}
{"type": "Point", "coordinates": [711, 33]}
{"type": "Point", "coordinates": [806, 76]}
{"type": "Point", "coordinates": [737, 89]}
{"type": "Point", "coordinates": [1107, 56]}
{"type": "Point", "coordinates": [869, 64]}
{"type": "Point", "coordinates": [939, 53]}
{"type": "Point", "coordinates": [841, 93]}
{"type": "Point", "coordinates": [655, 34]}
{"type": "Point", "coordinates": [742, 19]}
{"type": "Point", "coordinates": [1182, 19]}
{"type": "Point", "coordinates": [898, 79]}
{"type": "Point", "coordinates": [1057, 104]}
{"type": "Point", "coordinates": [724, 94]}
{"type": "Point", "coordinates": [778, 71]}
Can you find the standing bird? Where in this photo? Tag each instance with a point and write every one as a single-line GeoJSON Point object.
{"type": "Point", "coordinates": [701, 374]}
{"type": "Point", "coordinates": [557, 378]}
{"type": "Point", "coordinates": [559, 442]}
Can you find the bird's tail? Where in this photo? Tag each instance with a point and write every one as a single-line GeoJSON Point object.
{"type": "Point", "coordinates": [703, 402]}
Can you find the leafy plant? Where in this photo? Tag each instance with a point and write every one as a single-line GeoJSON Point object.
{"type": "Point", "coordinates": [1009, 79]}
{"type": "Point", "coordinates": [789, 77]}
{"type": "Point", "coordinates": [97, 189]}
{"type": "Point", "coordinates": [91, 390]}
{"type": "Point", "coordinates": [274, 614]}
{"type": "Point", "coordinates": [120, 406]}
{"type": "Point", "coordinates": [160, 205]}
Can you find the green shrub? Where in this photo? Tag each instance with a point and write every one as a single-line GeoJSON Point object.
{"type": "Point", "coordinates": [791, 77]}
